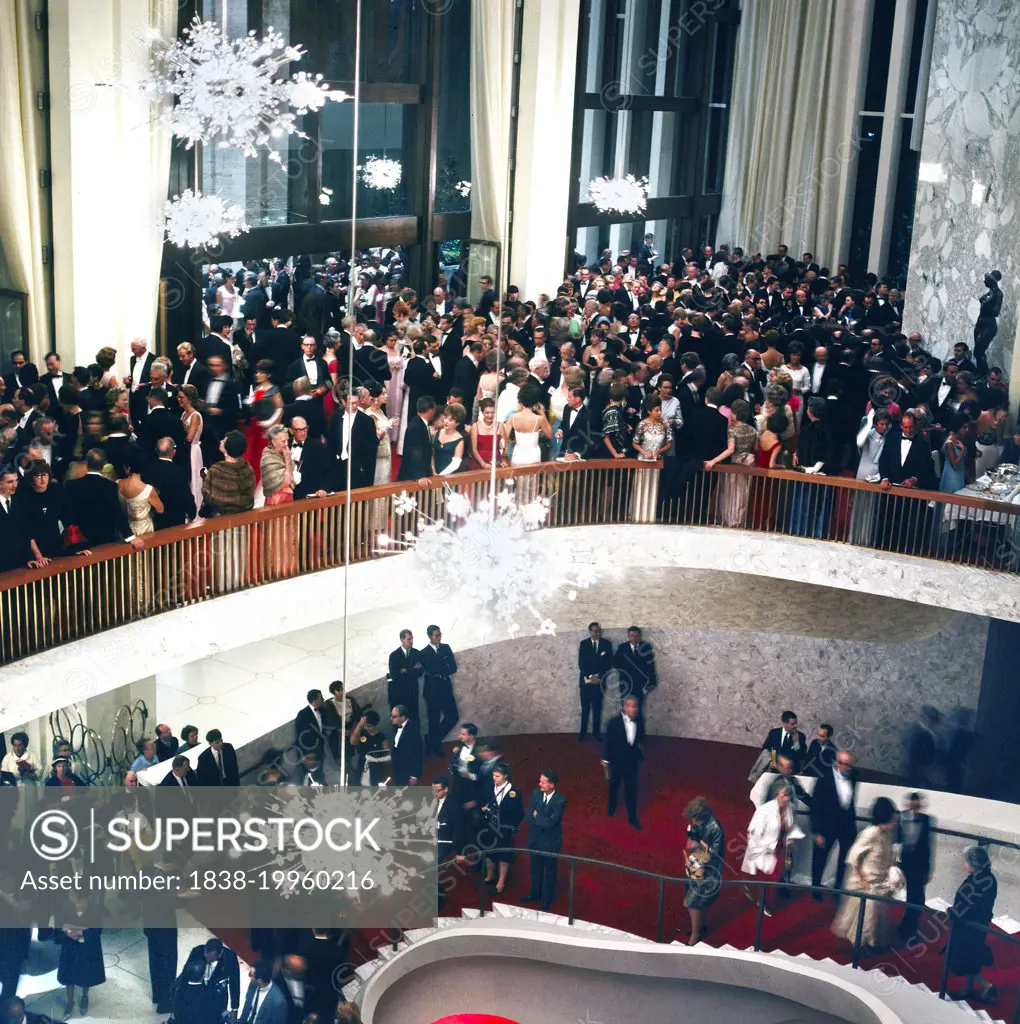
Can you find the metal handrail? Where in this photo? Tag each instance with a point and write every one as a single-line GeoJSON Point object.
{"type": "Point", "coordinates": [763, 886]}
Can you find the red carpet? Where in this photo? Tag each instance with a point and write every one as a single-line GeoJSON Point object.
{"type": "Point", "coordinates": [676, 770]}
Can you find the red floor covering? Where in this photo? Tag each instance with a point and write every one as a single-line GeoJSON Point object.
{"type": "Point", "coordinates": [675, 771]}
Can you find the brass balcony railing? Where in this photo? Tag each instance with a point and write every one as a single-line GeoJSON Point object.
{"type": "Point", "coordinates": [115, 585]}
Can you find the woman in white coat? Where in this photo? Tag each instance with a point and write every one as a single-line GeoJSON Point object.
{"type": "Point", "coordinates": [767, 838]}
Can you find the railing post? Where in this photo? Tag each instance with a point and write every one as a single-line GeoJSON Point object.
{"type": "Point", "coordinates": [662, 910]}
{"type": "Point", "coordinates": [481, 894]}
{"type": "Point", "coordinates": [861, 910]}
{"type": "Point", "coordinates": [570, 893]}
{"type": "Point", "coordinates": [395, 938]}
{"type": "Point", "coordinates": [944, 983]}
{"type": "Point", "coordinates": [761, 919]}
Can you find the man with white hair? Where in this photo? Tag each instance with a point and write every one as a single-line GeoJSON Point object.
{"type": "Point", "coordinates": [539, 367]}
{"type": "Point", "coordinates": [506, 404]}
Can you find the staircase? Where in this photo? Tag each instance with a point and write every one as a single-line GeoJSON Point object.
{"type": "Point", "coordinates": [912, 1002]}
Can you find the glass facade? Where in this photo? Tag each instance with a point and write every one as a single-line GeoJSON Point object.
{"type": "Point", "coordinates": [656, 77]}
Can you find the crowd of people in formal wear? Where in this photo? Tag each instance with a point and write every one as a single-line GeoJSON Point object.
{"type": "Point", "coordinates": [304, 385]}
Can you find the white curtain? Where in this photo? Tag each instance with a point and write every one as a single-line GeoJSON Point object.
{"type": "Point", "coordinates": [793, 126]}
{"type": "Point", "coordinates": [22, 142]}
{"type": "Point", "coordinates": [492, 40]}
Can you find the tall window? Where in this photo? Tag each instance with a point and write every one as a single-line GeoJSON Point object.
{"type": "Point", "coordinates": [887, 162]}
{"type": "Point", "coordinates": [654, 80]}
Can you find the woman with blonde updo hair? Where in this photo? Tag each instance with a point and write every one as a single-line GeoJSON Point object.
{"type": "Point", "coordinates": [187, 397]}
{"type": "Point", "coordinates": [106, 357]}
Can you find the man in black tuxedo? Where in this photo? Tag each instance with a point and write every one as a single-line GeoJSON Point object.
{"type": "Point", "coordinates": [902, 525]}
{"type": "Point", "coordinates": [421, 378]}
{"type": "Point", "coordinates": [218, 341]}
{"type": "Point", "coordinates": [594, 660]}
{"type": "Point", "coordinates": [139, 364]}
{"type": "Point", "coordinates": [180, 774]}
{"type": "Point", "coordinates": [439, 666]}
{"type": "Point", "coordinates": [93, 505]}
{"type": "Point", "coordinates": [217, 766]}
{"type": "Point", "coordinates": [352, 442]}
{"type": "Point", "coordinates": [416, 462]}
{"type": "Point", "coordinates": [311, 730]}
{"type": "Point", "coordinates": [54, 378]}
{"type": "Point", "coordinates": [256, 301]}
{"type": "Point", "coordinates": [833, 817]}
{"type": "Point", "coordinates": [635, 663]}
{"type": "Point", "coordinates": [622, 753]}
{"type": "Point", "coordinates": [190, 370]}
{"type": "Point", "coordinates": [22, 374]}
{"type": "Point", "coordinates": [221, 973]}
{"type": "Point", "coordinates": [312, 366]}
{"type": "Point", "coordinates": [487, 298]}
{"type": "Point", "coordinates": [574, 430]}
{"type": "Point", "coordinates": [408, 755]}
{"type": "Point", "coordinates": [787, 739]}
{"type": "Point", "coordinates": [15, 944]}
{"type": "Point", "coordinates": [14, 532]}
{"type": "Point", "coordinates": [466, 374]}
{"type": "Point", "coordinates": [915, 838]}
{"type": "Point", "coordinates": [173, 484]}
{"type": "Point", "coordinates": [219, 409]}
{"type": "Point", "coordinates": [449, 831]}
{"type": "Point", "coordinates": [278, 343]}
{"type": "Point", "coordinates": [405, 670]}
{"type": "Point", "coordinates": [545, 835]}
{"type": "Point", "coordinates": [310, 461]}
{"type": "Point", "coordinates": [26, 405]}
{"type": "Point", "coordinates": [821, 755]}
{"type": "Point", "coordinates": [159, 423]}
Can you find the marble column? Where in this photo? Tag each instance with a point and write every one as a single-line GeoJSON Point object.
{"type": "Point", "coordinates": [969, 179]}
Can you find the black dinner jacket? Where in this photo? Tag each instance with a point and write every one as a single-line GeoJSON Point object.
{"type": "Point", "coordinates": [450, 829]}
{"type": "Point", "coordinates": [309, 410]}
{"type": "Point", "coordinates": [615, 748]}
{"type": "Point", "coordinates": [213, 345]}
{"type": "Point", "coordinates": [828, 817]}
{"type": "Point", "coordinates": [316, 472]}
{"type": "Point", "coordinates": [225, 978]}
{"type": "Point", "coordinates": [199, 377]}
{"type": "Point", "coordinates": [93, 504]}
{"type": "Point", "coordinates": [364, 443]}
{"type": "Point", "coordinates": [402, 687]}
{"type": "Point", "coordinates": [576, 431]}
{"type": "Point", "coordinates": [307, 734]}
{"type": "Point", "coordinates": [466, 374]}
{"type": "Point", "coordinates": [420, 380]}
{"type": "Point", "coordinates": [163, 423]}
{"type": "Point", "coordinates": [147, 362]}
{"type": "Point", "coordinates": [592, 661]}
{"type": "Point", "coordinates": [169, 780]}
{"type": "Point", "coordinates": [166, 749]}
{"type": "Point", "coordinates": [208, 774]}
{"type": "Point", "coordinates": [438, 666]}
{"type": "Point", "coordinates": [774, 741]}
{"type": "Point", "coordinates": [545, 822]}
{"type": "Point", "coordinates": [918, 462]}
{"type": "Point", "coordinates": [638, 669]}
{"type": "Point", "coordinates": [14, 536]}
{"type": "Point", "coordinates": [173, 485]}
{"type": "Point", "coordinates": [417, 458]}
{"type": "Point", "coordinates": [408, 755]}
{"type": "Point", "coordinates": [297, 369]}
{"type": "Point", "coordinates": [917, 858]}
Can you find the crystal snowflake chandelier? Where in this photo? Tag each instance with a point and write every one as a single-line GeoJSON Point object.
{"type": "Point", "coordinates": [382, 173]}
{"type": "Point", "coordinates": [463, 187]}
{"type": "Point", "coordinates": [228, 91]}
{"type": "Point", "coordinates": [489, 558]}
{"type": "Point", "coordinates": [195, 221]}
{"type": "Point", "coordinates": [626, 195]}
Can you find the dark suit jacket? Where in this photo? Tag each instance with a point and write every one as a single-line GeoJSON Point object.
{"type": "Point", "coordinates": [576, 431]}
{"type": "Point", "coordinates": [918, 462]}
{"type": "Point", "coordinates": [439, 667]}
{"type": "Point", "coordinates": [371, 366]}
{"type": "Point", "coordinates": [402, 687]}
{"type": "Point", "coordinates": [828, 817]}
{"type": "Point", "coordinates": [637, 668]}
{"type": "Point", "coordinates": [208, 774]}
{"type": "Point", "coordinates": [916, 859]}
{"type": "Point", "coordinates": [704, 434]}
{"type": "Point", "coordinates": [166, 749]}
{"type": "Point", "coordinates": [545, 822]}
{"type": "Point", "coordinates": [307, 734]}
{"type": "Point", "coordinates": [147, 362]}
{"type": "Point", "coordinates": [465, 377]}
{"type": "Point", "coordinates": [213, 345]}
{"type": "Point", "coordinates": [419, 380]}
{"type": "Point", "coordinates": [191, 779]}
{"type": "Point", "coordinates": [14, 536]}
{"type": "Point", "coordinates": [362, 450]}
{"type": "Point", "coordinates": [216, 426]}
{"type": "Point", "coordinates": [272, 1008]}
{"type": "Point", "coordinates": [173, 483]}
{"type": "Point", "coordinates": [408, 755]}
{"type": "Point", "coordinates": [592, 661]}
{"type": "Point", "coordinates": [93, 505]}
{"type": "Point", "coordinates": [316, 472]}
{"type": "Point", "coordinates": [615, 748]}
{"type": "Point", "coordinates": [163, 423]}
{"type": "Point", "coordinates": [199, 376]}
{"type": "Point", "coordinates": [417, 458]}
{"type": "Point", "coordinates": [450, 830]}
{"type": "Point", "coordinates": [485, 301]}
{"type": "Point", "coordinates": [774, 741]}
{"type": "Point", "coordinates": [820, 759]}
{"type": "Point", "coordinates": [297, 369]}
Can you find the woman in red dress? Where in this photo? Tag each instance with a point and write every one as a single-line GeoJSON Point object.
{"type": "Point", "coordinates": [488, 437]}
{"type": "Point", "coordinates": [769, 447]}
{"type": "Point", "coordinates": [265, 404]}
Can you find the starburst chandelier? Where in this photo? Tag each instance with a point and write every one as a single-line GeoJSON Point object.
{"type": "Point", "coordinates": [195, 221]}
{"type": "Point", "coordinates": [489, 557]}
{"type": "Point", "coordinates": [229, 91]}
{"type": "Point", "coordinates": [626, 195]}
{"type": "Point", "coordinates": [382, 173]}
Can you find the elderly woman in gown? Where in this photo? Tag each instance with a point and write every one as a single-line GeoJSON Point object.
{"type": "Point", "coordinates": [870, 861]}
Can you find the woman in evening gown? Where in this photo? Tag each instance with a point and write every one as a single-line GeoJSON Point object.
{"type": "Point", "coordinates": [193, 423]}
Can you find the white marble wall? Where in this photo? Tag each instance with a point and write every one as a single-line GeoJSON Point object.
{"type": "Point", "coordinates": [964, 220]}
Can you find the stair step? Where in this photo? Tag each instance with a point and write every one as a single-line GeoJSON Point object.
{"type": "Point", "coordinates": [388, 952]}
{"type": "Point", "coordinates": [446, 922]}
{"type": "Point", "coordinates": [504, 910]}
{"type": "Point", "coordinates": [417, 934]}
{"type": "Point", "coordinates": [366, 970]}
{"type": "Point", "coordinates": [351, 991]}
{"type": "Point", "coordinates": [470, 913]}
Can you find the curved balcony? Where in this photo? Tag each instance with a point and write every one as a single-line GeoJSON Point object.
{"type": "Point", "coordinates": [824, 530]}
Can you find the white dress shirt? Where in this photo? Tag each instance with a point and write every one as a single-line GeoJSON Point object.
{"type": "Point", "coordinates": [816, 377]}
{"type": "Point", "coordinates": [630, 728]}
{"type": "Point", "coordinates": [136, 373]}
{"type": "Point", "coordinates": [312, 371]}
{"type": "Point", "coordinates": [844, 789]}
{"type": "Point", "coordinates": [905, 443]}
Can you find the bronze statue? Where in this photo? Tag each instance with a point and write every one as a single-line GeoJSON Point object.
{"type": "Point", "coordinates": [987, 321]}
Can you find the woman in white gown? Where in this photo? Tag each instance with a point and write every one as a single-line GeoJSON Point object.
{"type": "Point", "coordinates": [193, 423]}
{"type": "Point", "coordinates": [528, 424]}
